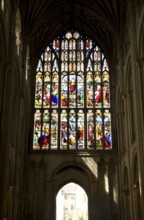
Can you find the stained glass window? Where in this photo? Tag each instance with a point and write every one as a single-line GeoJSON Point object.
{"type": "Point", "coordinates": [72, 96]}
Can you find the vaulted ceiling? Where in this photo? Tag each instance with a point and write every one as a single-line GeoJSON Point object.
{"type": "Point", "coordinates": [43, 20]}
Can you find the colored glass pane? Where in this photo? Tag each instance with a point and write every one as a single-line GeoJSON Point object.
{"type": "Point", "coordinates": [54, 130]}
{"type": "Point", "coordinates": [64, 130]}
{"type": "Point", "coordinates": [72, 96]}
{"type": "Point", "coordinates": [38, 90]}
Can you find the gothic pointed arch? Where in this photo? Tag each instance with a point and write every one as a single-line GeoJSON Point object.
{"type": "Point", "coordinates": [71, 202]}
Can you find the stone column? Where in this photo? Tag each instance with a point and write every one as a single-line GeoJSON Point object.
{"type": "Point", "coordinates": [135, 194]}
{"type": "Point", "coordinates": [113, 200]}
{"type": "Point", "coordinates": [140, 96]}
{"type": "Point", "coordinates": [35, 191]}
{"type": "Point", "coordinates": [48, 197]}
{"type": "Point", "coordinates": [103, 191]}
{"type": "Point", "coordinates": [93, 205]}
{"type": "Point", "coordinates": [6, 114]}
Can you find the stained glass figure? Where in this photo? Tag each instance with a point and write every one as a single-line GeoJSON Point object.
{"type": "Point", "coordinates": [72, 130]}
{"type": "Point", "coordinates": [64, 130]}
{"type": "Point", "coordinates": [90, 90]}
{"type": "Point", "coordinates": [54, 89]}
{"type": "Point", "coordinates": [106, 95]}
{"type": "Point", "coordinates": [64, 90]}
{"type": "Point", "coordinates": [37, 129]}
{"type": "Point", "coordinates": [47, 90]}
{"type": "Point", "coordinates": [72, 96]}
{"type": "Point", "coordinates": [99, 129]}
{"type": "Point", "coordinates": [44, 140]}
{"type": "Point", "coordinates": [107, 129]}
{"type": "Point", "coordinates": [90, 130]}
{"type": "Point", "coordinates": [80, 130]}
{"type": "Point", "coordinates": [38, 90]}
{"type": "Point", "coordinates": [54, 129]}
{"type": "Point", "coordinates": [80, 90]}
{"type": "Point", "coordinates": [72, 90]}
{"type": "Point", "coordinates": [98, 95]}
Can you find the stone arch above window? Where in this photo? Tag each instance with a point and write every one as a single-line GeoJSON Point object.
{"type": "Point", "coordinates": [72, 96]}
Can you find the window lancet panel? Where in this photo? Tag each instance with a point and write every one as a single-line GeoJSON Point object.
{"type": "Point", "coordinates": [72, 96]}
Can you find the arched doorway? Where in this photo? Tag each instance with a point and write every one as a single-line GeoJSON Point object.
{"type": "Point", "coordinates": [81, 177]}
{"type": "Point", "coordinates": [71, 203]}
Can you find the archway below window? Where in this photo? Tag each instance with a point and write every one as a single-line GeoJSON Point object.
{"type": "Point", "coordinates": [71, 203]}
